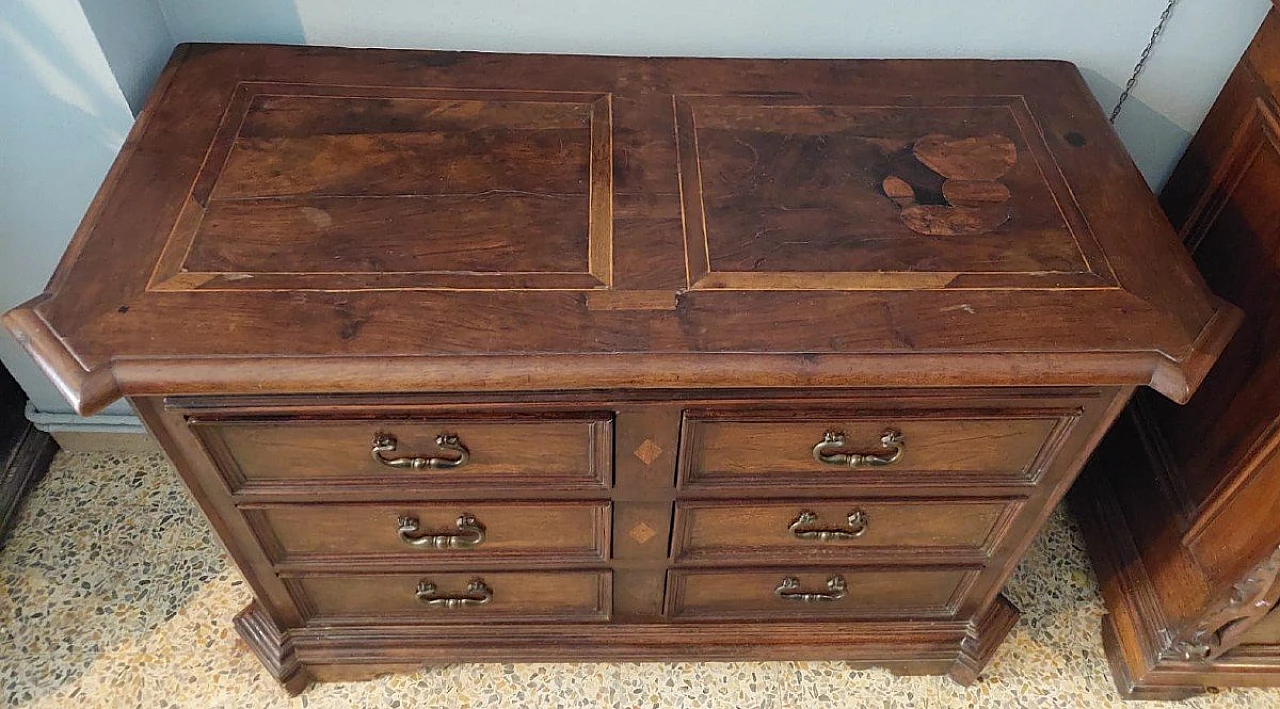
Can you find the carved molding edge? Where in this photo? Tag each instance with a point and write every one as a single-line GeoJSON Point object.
{"type": "Point", "coordinates": [981, 640]}
{"type": "Point", "coordinates": [273, 647]}
{"type": "Point", "coordinates": [1226, 621]}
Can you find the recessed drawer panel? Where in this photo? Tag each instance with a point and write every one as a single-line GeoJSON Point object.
{"type": "Point", "coordinates": [456, 597]}
{"type": "Point", "coordinates": [461, 532]}
{"type": "Point", "coordinates": [760, 532]}
{"type": "Point", "coordinates": [846, 592]}
{"type": "Point", "coordinates": [567, 450]}
{"type": "Point", "coordinates": [849, 447]}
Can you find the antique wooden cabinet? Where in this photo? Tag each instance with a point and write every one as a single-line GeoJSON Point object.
{"type": "Point", "coordinates": [1181, 506]}
{"type": "Point", "coordinates": [481, 357]}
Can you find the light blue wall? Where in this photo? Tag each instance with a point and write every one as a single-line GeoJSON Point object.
{"type": "Point", "coordinates": [63, 120]}
{"type": "Point", "coordinates": [135, 40]}
{"type": "Point", "coordinates": [70, 75]}
{"type": "Point", "coordinates": [269, 21]}
{"type": "Point", "coordinates": [1104, 37]}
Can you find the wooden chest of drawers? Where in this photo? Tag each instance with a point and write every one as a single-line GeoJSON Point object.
{"type": "Point", "coordinates": [479, 357]}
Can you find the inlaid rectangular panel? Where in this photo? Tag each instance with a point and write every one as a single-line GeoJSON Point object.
{"type": "Point", "coordinates": [804, 593]}
{"type": "Point", "coordinates": [767, 531]}
{"type": "Point", "coordinates": [343, 536]}
{"type": "Point", "coordinates": [921, 446]}
{"type": "Point", "coordinates": [354, 188]}
{"type": "Point", "coordinates": [790, 193]}
{"type": "Point", "coordinates": [562, 449]}
{"type": "Point", "coordinates": [475, 597]}
{"type": "Point", "coordinates": [1233, 233]}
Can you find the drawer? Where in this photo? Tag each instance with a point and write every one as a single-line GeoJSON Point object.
{"type": "Point", "coordinates": [456, 597]}
{"type": "Point", "coordinates": [768, 531]}
{"type": "Point", "coordinates": [308, 535]}
{"type": "Point", "coordinates": [845, 592]}
{"type": "Point", "coordinates": [571, 450]}
{"type": "Point", "coordinates": [909, 446]}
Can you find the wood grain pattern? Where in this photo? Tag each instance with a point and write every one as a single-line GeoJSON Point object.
{"type": "Point", "coordinates": [926, 531]}
{"type": "Point", "coordinates": [910, 647]}
{"type": "Point", "coordinates": [973, 201]}
{"type": "Point", "coordinates": [981, 641]}
{"type": "Point", "coordinates": [345, 537]}
{"type": "Point", "coordinates": [359, 186]}
{"type": "Point", "coordinates": [954, 220]}
{"type": "Point", "coordinates": [960, 447]}
{"type": "Point", "coordinates": [273, 648]}
{"type": "Point", "coordinates": [564, 448]}
{"type": "Point", "coordinates": [772, 180]}
{"type": "Point", "coordinates": [973, 193]}
{"type": "Point", "coordinates": [1182, 505]}
{"type": "Point", "coordinates": [445, 233]}
{"type": "Point", "coordinates": [1233, 237]}
{"type": "Point", "coordinates": [742, 594]}
{"type": "Point", "coordinates": [635, 289]}
{"type": "Point", "coordinates": [984, 157]}
{"type": "Point", "coordinates": [642, 497]}
{"type": "Point", "coordinates": [642, 494]}
{"type": "Point", "coordinates": [581, 596]}
{"type": "Point", "coordinates": [729, 183]}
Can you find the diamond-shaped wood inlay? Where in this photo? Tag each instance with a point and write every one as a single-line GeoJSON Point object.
{"type": "Point", "coordinates": [642, 533]}
{"type": "Point", "coordinates": [648, 451]}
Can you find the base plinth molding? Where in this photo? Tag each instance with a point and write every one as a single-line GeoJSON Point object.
{"type": "Point", "coordinates": [296, 658]}
{"type": "Point", "coordinates": [273, 647]}
{"type": "Point", "coordinates": [980, 642]}
{"type": "Point", "coordinates": [1136, 648]}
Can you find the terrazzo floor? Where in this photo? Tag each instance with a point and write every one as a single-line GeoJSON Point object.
{"type": "Point", "coordinates": [113, 593]}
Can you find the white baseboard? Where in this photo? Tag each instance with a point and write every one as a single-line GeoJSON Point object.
{"type": "Point", "coordinates": [71, 423]}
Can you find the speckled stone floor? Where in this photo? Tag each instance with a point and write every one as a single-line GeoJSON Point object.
{"type": "Point", "coordinates": [113, 593]}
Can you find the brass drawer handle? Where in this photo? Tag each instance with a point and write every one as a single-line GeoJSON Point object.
{"type": "Point", "coordinates": [470, 534]}
{"type": "Point", "coordinates": [832, 441]}
{"type": "Point", "coordinates": [386, 443]}
{"type": "Point", "coordinates": [478, 593]}
{"type": "Point", "coordinates": [788, 590]}
{"type": "Point", "coordinates": [803, 527]}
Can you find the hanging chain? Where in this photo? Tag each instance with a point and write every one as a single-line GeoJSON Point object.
{"type": "Point", "coordinates": [1142, 61]}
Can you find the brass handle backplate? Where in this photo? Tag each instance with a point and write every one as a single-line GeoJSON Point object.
{"type": "Point", "coordinates": [827, 451]}
{"type": "Point", "coordinates": [478, 593]}
{"type": "Point", "coordinates": [386, 443]}
{"type": "Point", "coordinates": [789, 590]}
{"type": "Point", "coordinates": [470, 534]}
{"type": "Point", "coordinates": [803, 527]}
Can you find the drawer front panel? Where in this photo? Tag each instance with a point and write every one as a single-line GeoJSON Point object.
{"type": "Point", "coordinates": [761, 532]}
{"type": "Point", "coordinates": [573, 450]}
{"type": "Point", "coordinates": [463, 532]}
{"type": "Point", "coordinates": [456, 597]}
{"type": "Point", "coordinates": [844, 592]}
{"type": "Point", "coordinates": [923, 446]}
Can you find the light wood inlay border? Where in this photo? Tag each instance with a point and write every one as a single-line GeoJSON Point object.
{"type": "Point", "coordinates": [170, 274]}
{"type": "Point", "coordinates": [701, 276]}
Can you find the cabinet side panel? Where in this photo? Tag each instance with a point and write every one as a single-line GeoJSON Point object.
{"type": "Point", "coordinates": [210, 493]}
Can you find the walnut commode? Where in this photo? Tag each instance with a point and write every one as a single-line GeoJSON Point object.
{"type": "Point", "coordinates": [476, 357]}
